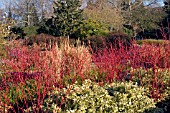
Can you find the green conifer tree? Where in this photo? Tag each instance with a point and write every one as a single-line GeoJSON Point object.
{"type": "Point", "coordinates": [66, 18]}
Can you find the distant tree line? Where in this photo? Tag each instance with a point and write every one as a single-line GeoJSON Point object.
{"type": "Point", "coordinates": [98, 17]}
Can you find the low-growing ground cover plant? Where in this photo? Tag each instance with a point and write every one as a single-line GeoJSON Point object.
{"type": "Point", "coordinates": [90, 97]}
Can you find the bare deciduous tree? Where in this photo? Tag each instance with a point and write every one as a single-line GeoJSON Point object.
{"type": "Point", "coordinates": [104, 13]}
{"type": "Point", "coordinates": [25, 10]}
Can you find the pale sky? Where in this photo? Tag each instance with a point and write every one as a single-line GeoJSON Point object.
{"type": "Point", "coordinates": [160, 2]}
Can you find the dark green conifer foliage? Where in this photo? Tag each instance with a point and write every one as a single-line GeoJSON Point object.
{"type": "Point", "coordinates": [66, 18]}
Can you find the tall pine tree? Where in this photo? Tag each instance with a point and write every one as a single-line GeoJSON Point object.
{"type": "Point", "coordinates": [66, 18]}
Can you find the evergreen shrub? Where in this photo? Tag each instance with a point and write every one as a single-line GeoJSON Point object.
{"type": "Point", "coordinates": [90, 97]}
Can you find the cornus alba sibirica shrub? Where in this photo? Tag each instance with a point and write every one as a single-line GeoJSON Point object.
{"type": "Point", "coordinates": [157, 81]}
{"type": "Point", "coordinates": [150, 56]}
{"type": "Point", "coordinates": [45, 68]}
{"type": "Point", "coordinates": [92, 98]}
{"type": "Point", "coordinates": [116, 63]}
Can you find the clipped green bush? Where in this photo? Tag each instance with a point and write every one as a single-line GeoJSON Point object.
{"type": "Point", "coordinates": [89, 28]}
{"type": "Point", "coordinates": [89, 97]}
{"type": "Point", "coordinates": [153, 41]}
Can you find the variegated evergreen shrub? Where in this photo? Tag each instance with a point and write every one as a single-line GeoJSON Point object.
{"type": "Point", "coordinates": [130, 97]}
{"type": "Point", "coordinates": [90, 97]}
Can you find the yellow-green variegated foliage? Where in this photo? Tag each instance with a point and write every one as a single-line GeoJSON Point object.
{"type": "Point", "coordinates": [89, 97]}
